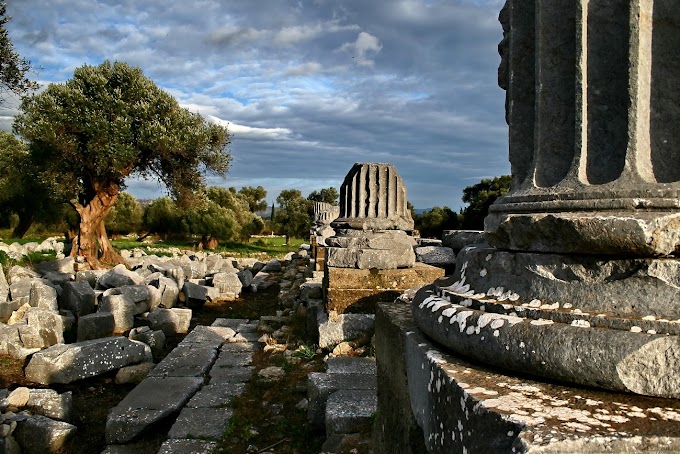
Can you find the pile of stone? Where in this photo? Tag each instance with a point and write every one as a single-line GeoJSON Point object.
{"type": "Point", "coordinates": [58, 305]}
{"type": "Point", "coordinates": [17, 251]}
{"type": "Point", "coordinates": [433, 252]}
{"type": "Point", "coordinates": [35, 421]}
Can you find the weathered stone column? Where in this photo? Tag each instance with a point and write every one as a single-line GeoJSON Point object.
{"type": "Point", "coordinates": [582, 281]}
{"type": "Point", "coordinates": [371, 231]}
{"type": "Point", "coordinates": [593, 105]}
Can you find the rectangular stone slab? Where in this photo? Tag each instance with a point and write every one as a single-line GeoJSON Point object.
{"type": "Point", "coordinates": [203, 423]}
{"type": "Point", "coordinates": [153, 400]}
{"type": "Point", "coordinates": [64, 363]}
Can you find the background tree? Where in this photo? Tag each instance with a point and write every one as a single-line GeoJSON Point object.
{"type": "Point", "coordinates": [13, 68]}
{"type": "Point", "coordinates": [292, 215]}
{"type": "Point", "coordinates": [255, 198]}
{"type": "Point", "coordinates": [434, 221]}
{"type": "Point", "coordinates": [480, 197]}
{"type": "Point", "coordinates": [162, 216]}
{"type": "Point", "coordinates": [21, 191]}
{"type": "Point", "coordinates": [125, 216]}
{"type": "Point", "coordinates": [328, 195]}
{"type": "Point", "coordinates": [209, 220]}
{"type": "Point", "coordinates": [109, 122]}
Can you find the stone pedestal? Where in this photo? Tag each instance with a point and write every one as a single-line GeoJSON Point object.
{"type": "Point", "coordinates": [357, 290]}
{"type": "Point", "coordinates": [436, 402]}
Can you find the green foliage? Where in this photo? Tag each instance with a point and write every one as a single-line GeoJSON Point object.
{"type": "Point", "coordinates": [255, 197]}
{"type": "Point", "coordinates": [13, 68]}
{"type": "Point", "coordinates": [305, 352]}
{"type": "Point", "coordinates": [292, 215]}
{"type": "Point", "coordinates": [109, 122]}
{"type": "Point", "coordinates": [433, 222]}
{"type": "Point", "coordinates": [480, 197]}
{"type": "Point", "coordinates": [125, 216]}
{"type": "Point", "coordinates": [328, 195]}
{"type": "Point", "coordinates": [23, 197]}
{"type": "Point", "coordinates": [162, 216]}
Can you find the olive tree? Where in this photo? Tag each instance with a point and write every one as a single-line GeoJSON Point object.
{"type": "Point", "coordinates": [292, 215]}
{"type": "Point", "coordinates": [13, 68]}
{"type": "Point", "coordinates": [107, 123]}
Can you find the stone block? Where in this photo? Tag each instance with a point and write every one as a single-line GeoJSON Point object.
{"type": "Point", "coordinates": [320, 386]}
{"type": "Point", "coordinates": [169, 291]}
{"type": "Point", "coordinates": [216, 395]}
{"type": "Point", "coordinates": [17, 273]}
{"type": "Point", "coordinates": [43, 296]}
{"type": "Point", "coordinates": [48, 402]}
{"type": "Point", "coordinates": [122, 309]}
{"type": "Point", "coordinates": [246, 278]}
{"type": "Point", "coordinates": [233, 359]}
{"type": "Point", "coordinates": [170, 321]}
{"type": "Point", "coordinates": [65, 363]}
{"type": "Point", "coordinates": [201, 423]}
{"type": "Point", "coordinates": [357, 290]}
{"type": "Point", "coordinates": [119, 276]}
{"type": "Point", "coordinates": [90, 276]}
{"type": "Point", "coordinates": [154, 339]}
{"type": "Point", "coordinates": [189, 361]}
{"type": "Point", "coordinates": [232, 323]}
{"type": "Point", "coordinates": [436, 256]}
{"type": "Point", "coordinates": [65, 265]}
{"type": "Point", "coordinates": [21, 289]}
{"type": "Point", "coordinates": [9, 335]}
{"type": "Point", "coordinates": [143, 296]}
{"type": "Point", "coordinates": [350, 411]}
{"type": "Point", "coordinates": [272, 266]}
{"type": "Point", "coordinates": [179, 446]}
{"type": "Point", "coordinates": [48, 324]}
{"type": "Point", "coordinates": [207, 336]}
{"type": "Point", "coordinates": [228, 282]}
{"type": "Point", "coordinates": [195, 295]}
{"type": "Point", "coordinates": [78, 297]}
{"type": "Point", "coordinates": [6, 309]}
{"type": "Point", "coordinates": [95, 326]}
{"type": "Point", "coordinates": [133, 374]}
{"type": "Point", "coordinates": [230, 374]}
{"type": "Point", "coordinates": [460, 239]}
{"type": "Point", "coordinates": [336, 328]}
{"type": "Point", "coordinates": [153, 400]}
{"type": "Point", "coordinates": [40, 435]}
{"type": "Point", "coordinates": [351, 365]}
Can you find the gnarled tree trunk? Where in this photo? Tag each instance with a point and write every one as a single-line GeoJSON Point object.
{"type": "Point", "coordinates": [92, 241]}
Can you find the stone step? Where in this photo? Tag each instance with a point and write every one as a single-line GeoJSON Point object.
{"type": "Point", "coordinates": [350, 411]}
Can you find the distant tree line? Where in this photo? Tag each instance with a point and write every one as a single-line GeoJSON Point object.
{"type": "Point", "coordinates": [479, 198]}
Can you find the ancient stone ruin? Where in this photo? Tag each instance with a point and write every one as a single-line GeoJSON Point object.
{"type": "Point", "coordinates": [579, 280]}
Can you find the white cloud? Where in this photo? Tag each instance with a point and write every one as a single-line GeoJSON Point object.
{"type": "Point", "coordinates": [252, 133]}
{"type": "Point", "coordinates": [303, 70]}
{"type": "Point", "coordinates": [365, 45]}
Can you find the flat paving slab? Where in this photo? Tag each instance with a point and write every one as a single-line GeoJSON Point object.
{"type": "Point", "coordinates": [231, 374]}
{"type": "Point", "coordinates": [233, 359]}
{"type": "Point", "coordinates": [203, 423]}
{"type": "Point", "coordinates": [153, 400]}
{"type": "Point", "coordinates": [320, 386]}
{"type": "Point", "coordinates": [216, 395]}
{"type": "Point", "coordinates": [186, 361]}
{"type": "Point", "coordinates": [187, 447]}
{"type": "Point", "coordinates": [351, 365]}
{"type": "Point", "coordinates": [208, 336]}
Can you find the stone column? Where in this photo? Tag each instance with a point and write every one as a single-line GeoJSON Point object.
{"type": "Point", "coordinates": [593, 105]}
{"type": "Point", "coordinates": [581, 284]}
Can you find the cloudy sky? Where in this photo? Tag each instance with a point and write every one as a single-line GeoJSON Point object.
{"type": "Point", "coordinates": [307, 87]}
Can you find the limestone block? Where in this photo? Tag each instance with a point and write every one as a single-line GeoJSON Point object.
{"type": "Point", "coordinates": [4, 285]}
{"type": "Point", "coordinates": [90, 276]}
{"type": "Point", "coordinates": [122, 309]}
{"type": "Point", "coordinates": [143, 296]}
{"type": "Point", "coordinates": [201, 423]}
{"type": "Point", "coordinates": [170, 321]}
{"type": "Point", "coordinates": [337, 328]}
{"type": "Point", "coordinates": [186, 362]}
{"type": "Point", "coordinates": [48, 324]}
{"type": "Point", "coordinates": [20, 290]}
{"type": "Point", "coordinates": [320, 386]}
{"type": "Point", "coordinates": [119, 276]}
{"type": "Point", "coordinates": [154, 339]}
{"type": "Point", "coordinates": [7, 308]}
{"type": "Point", "coordinates": [169, 291]}
{"type": "Point", "coordinates": [208, 336]}
{"type": "Point", "coordinates": [95, 326]}
{"type": "Point", "coordinates": [437, 256]}
{"type": "Point", "coordinates": [231, 374]}
{"type": "Point", "coordinates": [153, 400]}
{"type": "Point", "coordinates": [194, 269]}
{"type": "Point", "coordinates": [39, 435]}
{"type": "Point", "coordinates": [30, 337]}
{"type": "Point", "coordinates": [65, 265]}
{"type": "Point", "coordinates": [78, 297]}
{"type": "Point", "coordinates": [57, 279]}
{"type": "Point", "coordinates": [246, 278]}
{"type": "Point", "coordinates": [272, 266]}
{"type": "Point", "coordinates": [9, 335]}
{"type": "Point", "coordinates": [228, 283]}
{"type": "Point", "coordinates": [195, 295]}
{"type": "Point", "coordinates": [366, 259]}
{"type": "Point", "coordinates": [216, 395]}
{"type": "Point", "coordinates": [460, 239]}
{"type": "Point", "coordinates": [50, 403]}
{"type": "Point", "coordinates": [179, 446]}
{"type": "Point", "coordinates": [43, 296]}
{"type": "Point", "coordinates": [350, 411]}
{"type": "Point", "coordinates": [65, 363]}
{"type": "Point", "coordinates": [351, 365]}
{"type": "Point", "coordinates": [133, 374]}
{"type": "Point", "coordinates": [18, 273]}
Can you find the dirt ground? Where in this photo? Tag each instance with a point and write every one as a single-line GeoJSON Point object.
{"type": "Point", "coordinates": [265, 415]}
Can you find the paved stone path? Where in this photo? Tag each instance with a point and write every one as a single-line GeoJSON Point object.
{"type": "Point", "coordinates": [198, 379]}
